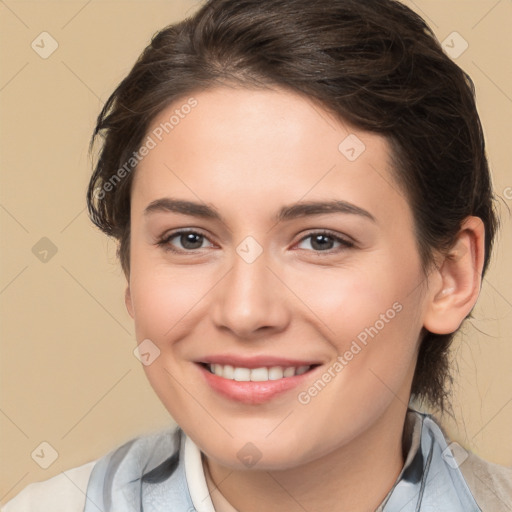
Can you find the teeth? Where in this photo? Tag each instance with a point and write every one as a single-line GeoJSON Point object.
{"type": "Point", "coordinates": [275, 373]}
{"type": "Point", "coordinates": [228, 371]}
{"type": "Point", "coordinates": [256, 374]}
{"type": "Point", "coordinates": [301, 370]}
{"type": "Point", "coordinates": [289, 372]}
{"type": "Point", "coordinates": [259, 374]}
{"type": "Point", "coordinates": [242, 374]}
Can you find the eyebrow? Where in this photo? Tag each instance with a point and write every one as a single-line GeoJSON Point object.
{"type": "Point", "coordinates": [302, 209]}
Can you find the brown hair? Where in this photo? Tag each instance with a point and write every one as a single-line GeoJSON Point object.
{"type": "Point", "coordinates": [375, 64]}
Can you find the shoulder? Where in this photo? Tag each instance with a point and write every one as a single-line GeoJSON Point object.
{"type": "Point", "coordinates": [64, 492]}
{"type": "Point", "coordinates": [490, 484]}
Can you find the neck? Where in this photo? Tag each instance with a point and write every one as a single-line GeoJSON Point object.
{"type": "Point", "coordinates": [354, 477]}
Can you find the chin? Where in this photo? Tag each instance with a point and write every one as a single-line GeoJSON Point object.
{"type": "Point", "coordinates": [258, 452]}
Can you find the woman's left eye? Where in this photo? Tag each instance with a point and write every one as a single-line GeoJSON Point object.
{"type": "Point", "coordinates": [324, 242]}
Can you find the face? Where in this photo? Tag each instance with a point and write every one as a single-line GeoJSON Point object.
{"type": "Point", "coordinates": [267, 234]}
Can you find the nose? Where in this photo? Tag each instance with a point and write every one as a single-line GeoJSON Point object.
{"type": "Point", "coordinates": [251, 301]}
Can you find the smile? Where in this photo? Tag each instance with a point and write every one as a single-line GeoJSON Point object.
{"type": "Point", "coordinates": [253, 386]}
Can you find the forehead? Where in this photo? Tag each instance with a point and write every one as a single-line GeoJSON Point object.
{"type": "Point", "coordinates": [245, 146]}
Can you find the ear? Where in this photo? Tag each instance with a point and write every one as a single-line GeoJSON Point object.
{"type": "Point", "coordinates": [455, 283]}
{"type": "Point", "coordinates": [128, 301]}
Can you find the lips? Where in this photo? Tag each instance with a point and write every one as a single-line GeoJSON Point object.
{"type": "Point", "coordinates": [244, 382]}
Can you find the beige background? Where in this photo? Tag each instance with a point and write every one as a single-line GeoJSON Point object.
{"type": "Point", "coordinates": [68, 374]}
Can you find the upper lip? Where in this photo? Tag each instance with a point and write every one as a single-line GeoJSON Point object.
{"type": "Point", "coordinates": [255, 361]}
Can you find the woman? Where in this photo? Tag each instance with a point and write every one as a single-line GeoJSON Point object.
{"type": "Point", "coordinates": [304, 213]}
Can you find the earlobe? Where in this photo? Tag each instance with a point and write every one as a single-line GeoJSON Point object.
{"type": "Point", "coordinates": [457, 280]}
{"type": "Point", "coordinates": [128, 301]}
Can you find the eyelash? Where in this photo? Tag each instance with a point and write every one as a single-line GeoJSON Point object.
{"type": "Point", "coordinates": [164, 242]}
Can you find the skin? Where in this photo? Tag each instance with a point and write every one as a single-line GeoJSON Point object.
{"type": "Point", "coordinates": [247, 153]}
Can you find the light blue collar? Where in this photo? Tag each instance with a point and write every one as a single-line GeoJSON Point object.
{"type": "Point", "coordinates": [433, 481]}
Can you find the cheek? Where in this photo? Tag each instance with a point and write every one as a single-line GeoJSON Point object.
{"type": "Point", "coordinates": [372, 319]}
{"type": "Point", "coordinates": [347, 301]}
{"type": "Point", "coordinates": [166, 309]}
{"type": "Point", "coordinates": [168, 304]}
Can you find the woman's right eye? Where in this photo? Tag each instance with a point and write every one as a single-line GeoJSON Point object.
{"type": "Point", "coordinates": [188, 240]}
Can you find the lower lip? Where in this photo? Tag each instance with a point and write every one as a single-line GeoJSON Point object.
{"type": "Point", "coordinates": [249, 392]}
